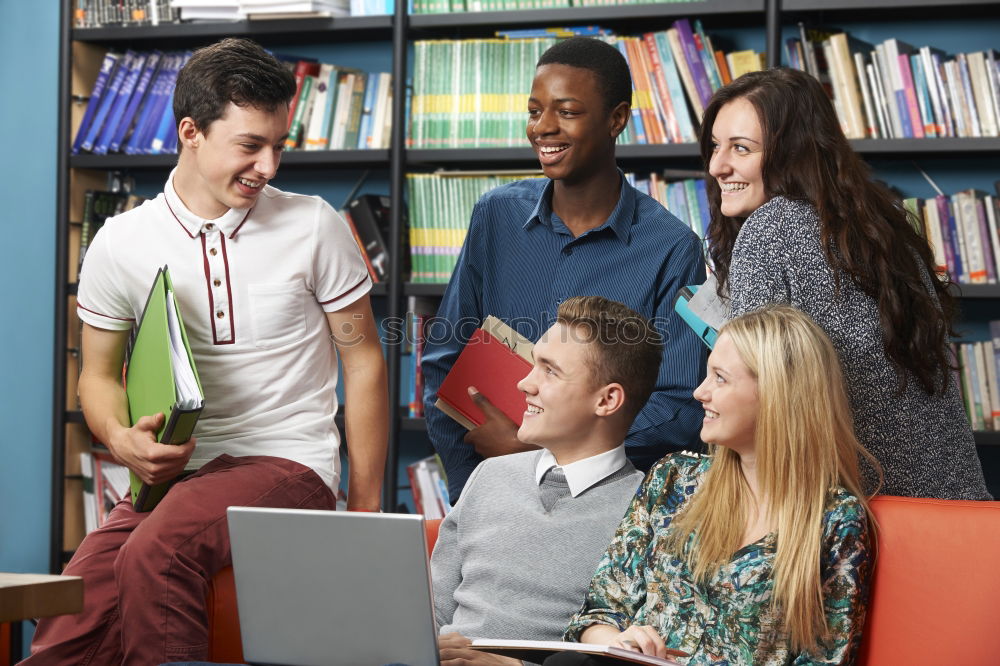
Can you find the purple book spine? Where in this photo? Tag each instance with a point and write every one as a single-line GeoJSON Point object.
{"type": "Point", "coordinates": [701, 82]}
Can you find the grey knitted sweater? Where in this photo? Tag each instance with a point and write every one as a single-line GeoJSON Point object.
{"type": "Point", "coordinates": [923, 441]}
{"type": "Point", "coordinates": [503, 567]}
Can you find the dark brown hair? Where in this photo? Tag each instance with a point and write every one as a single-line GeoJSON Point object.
{"type": "Point", "coordinates": [864, 229]}
{"type": "Point", "coordinates": [625, 346]}
{"type": "Point", "coordinates": [231, 70]}
{"type": "Point", "coordinates": [603, 60]}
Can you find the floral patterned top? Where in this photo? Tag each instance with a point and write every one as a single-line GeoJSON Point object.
{"type": "Point", "coordinates": [729, 620]}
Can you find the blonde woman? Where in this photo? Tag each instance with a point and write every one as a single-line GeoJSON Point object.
{"type": "Point", "coordinates": [759, 553]}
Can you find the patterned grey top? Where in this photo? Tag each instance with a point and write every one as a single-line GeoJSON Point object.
{"type": "Point", "coordinates": [924, 442]}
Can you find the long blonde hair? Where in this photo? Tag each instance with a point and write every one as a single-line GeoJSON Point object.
{"type": "Point", "coordinates": [805, 446]}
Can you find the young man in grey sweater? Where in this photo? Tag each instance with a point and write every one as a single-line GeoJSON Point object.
{"type": "Point", "coordinates": [516, 554]}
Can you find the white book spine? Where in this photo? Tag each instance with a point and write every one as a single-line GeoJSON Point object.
{"type": "Point", "coordinates": [979, 354]}
{"type": "Point", "coordinates": [885, 79]}
{"type": "Point", "coordinates": [993, 228]}
{"type": "Point", "coordinates": [989, 362]}
{"type": "Point", "coordinates": [929, 75]}
{"type": "Point", "coordinates": [871, 120]}
{"type": "Point", "coordinates": [932, 231]}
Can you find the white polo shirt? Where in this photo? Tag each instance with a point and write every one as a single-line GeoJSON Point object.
{"type": "Point", "coordinates": [253, 287]}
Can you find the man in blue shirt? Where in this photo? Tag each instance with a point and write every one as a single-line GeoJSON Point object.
{"type": "Point", "coordinates": [581, 231]}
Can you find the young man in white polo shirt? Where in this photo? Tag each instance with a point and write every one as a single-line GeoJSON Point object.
{"type": "Point", "coordinates": [264, 279]}
{"type": "Point", "coordinates": [515, 556]}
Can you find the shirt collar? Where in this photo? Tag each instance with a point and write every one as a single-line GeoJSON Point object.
{"type": "Point", "coordinates": [585, 473]}
{"type": "Point", "coordinates": [228, 223]}
{"type": "Point", "coordinates": [620, 221]}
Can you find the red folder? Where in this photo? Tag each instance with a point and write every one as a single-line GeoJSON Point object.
{"type": "Point", "coordinates": [494, 369]}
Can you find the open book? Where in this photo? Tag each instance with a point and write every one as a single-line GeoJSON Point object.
{"type": "Point", "coordinates": [494, 360]}
{"type": "Point", "coordinates": [161, 377]}
{"type": "Point", "coordinates": [538, 651]}
{"type": "Point", "coordinates": [703, 310]}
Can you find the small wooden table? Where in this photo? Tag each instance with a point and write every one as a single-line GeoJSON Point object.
{"type": "Point", "coordinates": [24, 596]}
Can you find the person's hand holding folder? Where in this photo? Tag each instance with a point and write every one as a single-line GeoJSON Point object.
{"type": "Point", "coordinates": [154, 463]}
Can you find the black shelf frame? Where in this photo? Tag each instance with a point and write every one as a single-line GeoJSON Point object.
{"type": "Point", "coordinates": [525, 156]}
{"type": "Point", "coordinates": [976, 291]}
{"type": "Point", "coordinates": [582, 15]}
{"type": "Point", "coordinates": [335, 159]}
{"type": "Point", "coordinates": [988, 438]}
{"type": "Point", "coordinates": [399, 28]}
{"type": "Point", "coordinates": [305, 30]}
{"type": "Point", "coordinates": [877, 5]}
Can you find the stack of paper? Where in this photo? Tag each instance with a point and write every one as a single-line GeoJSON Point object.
{"type": "Point", "coordinates": [263, 9]}
{"type": "Point", "coordinates": [208, 10]}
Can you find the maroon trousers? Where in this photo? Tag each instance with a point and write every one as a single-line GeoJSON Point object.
{"type": "Point", "coordinates": [146, 575]}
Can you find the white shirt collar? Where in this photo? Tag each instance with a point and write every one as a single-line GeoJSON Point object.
{"type": "Point", "coordinates": [228, 223]}
{"type": "Point", "coordinates": [583, 474]}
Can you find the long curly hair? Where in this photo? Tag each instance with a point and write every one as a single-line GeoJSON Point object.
{"type": "Point", "coordinates": [865, 231]}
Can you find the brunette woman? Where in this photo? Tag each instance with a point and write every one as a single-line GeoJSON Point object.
{"type": "Point", "coordinates": [797, 218]}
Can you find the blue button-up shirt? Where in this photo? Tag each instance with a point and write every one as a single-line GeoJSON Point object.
{"type": "Point", "coordinates": [520, 261]}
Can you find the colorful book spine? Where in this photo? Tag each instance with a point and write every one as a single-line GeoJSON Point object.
{"type": "Point", "coordinates": [108, 65]}
{"type": "Point", "coordinates": [107, 101]}
{"type": "Point", "coordinates": [130, 116]}
{"type": "Point", "coordinates": [702, 83]}
{"type": "Point", "coordinates": [117, 110]}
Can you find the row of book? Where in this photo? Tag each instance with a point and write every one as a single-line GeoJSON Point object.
{"type": "Point", "coordinates": [429, 486]}
{"type": "Point", "coordinates": [459, 6]}
{"type": "Point", "coordinates": [440, 206]}
{"type": "Point", "coordinates": [978, 369]}
{"type": "Point", "coordinates": [238, 10]}
{"type": "Point", "coordinates": [473, 93]}
{"type": "Point", "coordinates": [339, 108]}
{"type": "Point", "coordinates": [105, 482]}
{"type": "Point", "coordinates": [130, 108]}
{"type": "Point", "coordinates": [964, 232]}
{"type": "Point", "coordinates": [98, 206]}
{"type": "Point", "coordinates": [892, 90]}
{"type": "Point", "coordinates": [686, 198]}
{"type": "Point", "coordinates": [95, 13]}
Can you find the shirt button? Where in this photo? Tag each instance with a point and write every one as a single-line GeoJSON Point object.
{"type": "Point", "coordinates": [209, 226]}
{"type": "Point", "coordinates": [217, 282]}
{"type": "Point", "coordinates": [568, 251]}
{"type": "Point", "coordinates": [220, 314]}
{"type": "Point", "coordinates": [213, 252]}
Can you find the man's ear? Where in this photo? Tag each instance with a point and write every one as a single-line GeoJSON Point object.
{"type": "Point", "coordinates": [188, 133]}
{"type": "Point", "coordinates": [619, 118]}
{"type": "Point", "coordinates": [610, 399]}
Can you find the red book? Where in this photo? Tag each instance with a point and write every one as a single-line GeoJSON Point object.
{"type": "Point", "coordinates": [494, 365]}
{"type": "Point", "coordinates": [303, 68]}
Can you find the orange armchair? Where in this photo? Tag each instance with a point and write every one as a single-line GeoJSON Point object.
{"type": "Point", "coordinates": [224, 641]}
{"type": "Point", "coordinates": [936, 589]}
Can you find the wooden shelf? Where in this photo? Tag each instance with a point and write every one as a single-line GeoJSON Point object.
{"type": "Point", "coordinates": [987, 437]}
{"type": "Point", "coordinates": [946, 145]}
{"type": "Point", "coordinates": [414, 424]}
{"type": "Point", "coordinates": [976, 290]}
{"type": "Point", "coordinates": [293, 30]}
{"type": "Point", "coordinates": [843, 5]}
{"type": "Point", "coordinates": [523, 155]}
{"type": "Point", "coordinates": [337, 159]}
{"type": "Point", "coordinates": [425, 288]}
{"type": "Point", "coordinates": [584, 15]}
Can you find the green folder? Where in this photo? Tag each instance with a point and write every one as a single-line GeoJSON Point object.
{"type": "Point", "coordinates": [156, 379]}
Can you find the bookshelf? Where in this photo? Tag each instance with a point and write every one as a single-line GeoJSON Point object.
{"type": "Point", "coordinates": [761, 19]}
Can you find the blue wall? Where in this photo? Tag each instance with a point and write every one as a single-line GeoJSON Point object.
{"type": "Point", "coordinates": [29, 52]}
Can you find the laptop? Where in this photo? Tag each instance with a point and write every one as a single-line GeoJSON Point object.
{"type": "Point", "coordinates": [332, 588]}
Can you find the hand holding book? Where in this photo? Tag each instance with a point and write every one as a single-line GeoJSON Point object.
{"type": "Point", "coordinates": [497, 435]}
